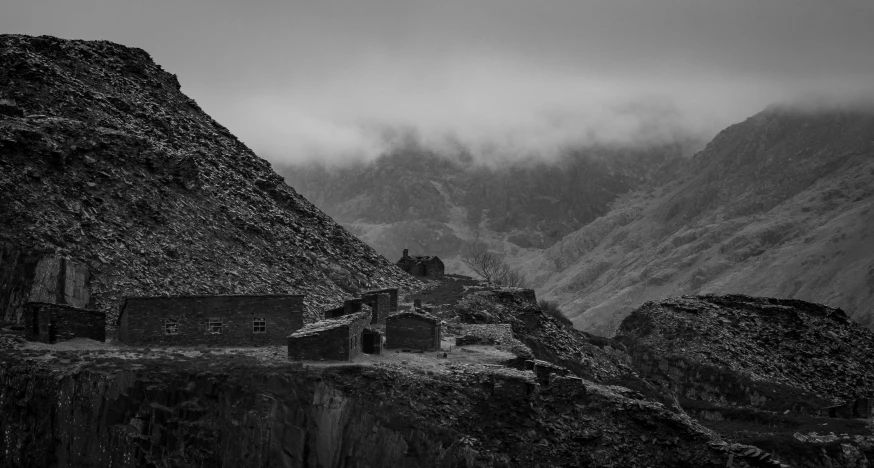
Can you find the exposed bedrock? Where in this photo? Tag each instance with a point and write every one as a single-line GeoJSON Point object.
{"type": "Point", "coordinates": [170, 418]}
{"type": "Point", "coordinates": [35, 276]}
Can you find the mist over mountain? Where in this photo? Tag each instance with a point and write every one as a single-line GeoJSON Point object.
{"type": "Point", "coordinates": [777, 205]}
{"type": "Point", "coordinates": [434, 203]}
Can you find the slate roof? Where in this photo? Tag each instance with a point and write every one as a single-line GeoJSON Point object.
{"type": "Point", "coordinates": [417, 315]}
{"type": "Point", "coordinates": [329, 324]}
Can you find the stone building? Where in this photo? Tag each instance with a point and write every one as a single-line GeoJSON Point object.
{"type": "Point", "coordinates": [379, 302]}
{"type": "Point", "coordinates": [428, 266]}
{"type": "Point", "coordinates": [339, 339]}
{"type": "Point", "coordinates": [50, 323]}
{"type": "Point", "coordinates": [413, 330]}
{"type": "Point", "coordinates": [393, 297]}
{"type": "Point", "coordinates": [212, 320]}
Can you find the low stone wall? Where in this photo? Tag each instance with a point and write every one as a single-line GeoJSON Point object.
{"type": "Point", "coordinates": [50, 323]}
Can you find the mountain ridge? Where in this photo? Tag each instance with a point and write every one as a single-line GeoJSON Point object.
{"type": "Point", "coordinates": [777, 205]}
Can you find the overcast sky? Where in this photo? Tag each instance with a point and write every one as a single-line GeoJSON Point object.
{"type": "Point", "coordinates": [323, 79]}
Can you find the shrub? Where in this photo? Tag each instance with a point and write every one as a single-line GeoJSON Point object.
{"type": "Point", "coordinates": [551, 308]}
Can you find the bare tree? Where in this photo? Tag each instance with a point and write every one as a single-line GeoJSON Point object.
{"type": "Point", "coordinates": [483, 262]}
{"type": "Point", "coordinates": [509, 277]}
{"type": "Point", "coordinates": [489, 265]}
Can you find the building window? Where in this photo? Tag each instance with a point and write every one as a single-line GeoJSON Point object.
{"type": "Point", "coordinates": [215, 325]}
{"type": "Point", "coordinates": [171, 326]}
{"type": "Point", "coordinates": [259, 325]}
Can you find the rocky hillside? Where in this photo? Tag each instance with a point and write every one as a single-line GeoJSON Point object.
{"type": "Point", "coordinates": [780, 205]}
{"type": "Point", "coordinates": [115, 183]}
{"type": "Point", "coordinates": [784, 375]}
{"type": "Point", "coordinates": [815, 349]}
{"type": "Point", "coordinates": [432, 203]}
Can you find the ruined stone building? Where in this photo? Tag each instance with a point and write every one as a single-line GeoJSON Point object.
{"type": "Point", "coordinates": [50, 323]}
{"type": "Point", "coordinates": [211, 320]}
{"type": "Point", "coordinates": [393, 297]}
{"type": "Point", "coordinates": [338, 339]}
{"type": "Point", "coordinates": [423, 266]}
{"type": "Point", "coordinates": [413, 330]}
{"type": "Point", "coordinates": [382, 303]}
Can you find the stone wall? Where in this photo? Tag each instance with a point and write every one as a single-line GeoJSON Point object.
{"type": "Point", "coordinates": [329, 340]}
{"type": "Point", "coordinates": [412, 330]}
{"type": "Point", "coordinates": [380, 304]}
{"type": "Point", "coordinates": [142, 320]}
{"type": "Point", "coordinates": [33, 276]}
{"type": "Point", "coordinates": [393, 297]}
{"type": "Point", "coordinates": [50, 323]}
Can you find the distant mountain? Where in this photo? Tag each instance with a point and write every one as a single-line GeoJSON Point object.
{"type": "Point", "coordinates": [779, 205]}
{"type": "Point", "coordinates": [114, 183]}
{"type": "Point", "coordinates": [432, 203]}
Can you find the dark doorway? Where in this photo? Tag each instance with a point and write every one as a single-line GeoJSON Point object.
{"type": "Point", "coordinates": [370, 342]}
{"type": "Point", "coordinates": [35, 323]}
{"type": "Point", "coordinates": [53, 332]}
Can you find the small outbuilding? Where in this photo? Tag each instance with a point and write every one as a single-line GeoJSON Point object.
{"type": "Point", "coordinates": [413, 330]}
{"type": "Point", "coordinates": [339, 339]}
{"type": "Point", "coordinates": [213, 320]}
{"type": "Point", "coordinates": [428, 266]}
{"type": "Point", "coordinates": [50, 323]}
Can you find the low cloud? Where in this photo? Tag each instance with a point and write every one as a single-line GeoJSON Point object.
{"type": "Point", "coordinates": [333, 80]}
{"type": "Point", "coordinates": [500, 109]}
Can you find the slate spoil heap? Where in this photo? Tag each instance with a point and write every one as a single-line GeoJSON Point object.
{"type": "Point", "coordinates": [800, 345]}
{"type": "Point", "coordinates": [789, 376]}
{"type": "Point", "coordinates": [114, 183]}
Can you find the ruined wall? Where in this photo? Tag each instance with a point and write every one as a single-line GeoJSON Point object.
{"type": "Point", "coordinates": [50, 323]}
{"type": "Point", "coordinates": [351, 306]}
{"type": "Point", "coordinates": [34, 276]}
{"type": "Point", "coordinates": [407, 331]}
{"type": "Point", "coordinates": [393, 297]}
{"type": "Point", "coordinates": [434, 268]}
{"type": "Point", "coordinates": [142, 320]}
{"type": "Point", "coordinates": [380, 305]}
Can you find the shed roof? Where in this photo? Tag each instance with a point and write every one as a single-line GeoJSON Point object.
{"type": "Point", "coordinates": [415, 315]}
{"type": "Point", "coordinates": [330, 324]}
{"type": "Point", "coordinates": [376, 291]}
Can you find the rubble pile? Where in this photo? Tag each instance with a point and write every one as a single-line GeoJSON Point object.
{"type": "Point", "coordinates": [548, 339]}
{"type": "Point", "coordinates": [782, 344]}
{"type": "Point", "coordinates": [107, 165]}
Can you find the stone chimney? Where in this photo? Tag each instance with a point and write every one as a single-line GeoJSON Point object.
{"type": "Point", "coordinates": [406, 253]}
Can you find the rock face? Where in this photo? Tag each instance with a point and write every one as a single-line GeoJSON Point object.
{"type": "Point", "coordinates": [221, 410]}
{"type": "Point", "coordinates": [780, 205]}
{"type": "Point", "coordinates": [773, 354]}
{"type": "Point", "coordinates": [114, 183]}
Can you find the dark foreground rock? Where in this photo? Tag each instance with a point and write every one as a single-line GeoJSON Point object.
{"type": "Point", "coordinates": [90, 409]}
